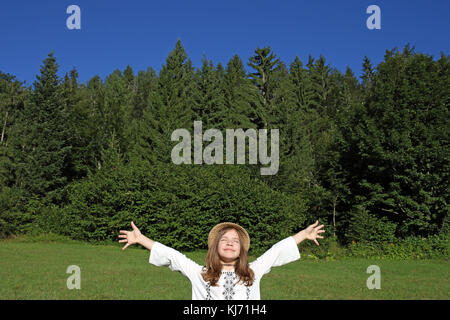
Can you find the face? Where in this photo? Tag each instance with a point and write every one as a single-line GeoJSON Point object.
{"type": "Point", "coordinates": [229, 246]}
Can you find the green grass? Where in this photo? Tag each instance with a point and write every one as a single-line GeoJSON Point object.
{"type": "Point", "coordinates": [36, 269]}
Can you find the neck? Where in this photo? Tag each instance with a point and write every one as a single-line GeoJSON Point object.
{"type": "Point", "coordinates": [228, 266]}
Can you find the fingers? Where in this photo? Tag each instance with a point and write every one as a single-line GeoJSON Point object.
{"type": "Point", "coordinates": [319, 231]}
{"type": "Point", "coordinates": [312, 226]}
{"type": "Point", "coordinates": [316, 242]}
{"type": "Point", "coordinates": [125, 235]}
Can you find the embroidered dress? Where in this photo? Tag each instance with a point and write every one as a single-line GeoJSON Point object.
{"type": "Point", "coordinates": [229, 287]}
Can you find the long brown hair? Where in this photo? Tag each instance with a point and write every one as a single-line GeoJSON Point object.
{"type": "Point", "coordinates": [213, 268]}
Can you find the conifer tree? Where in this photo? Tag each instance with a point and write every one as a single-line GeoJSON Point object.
{"type": "Point", "coordinates": [44, 139]}
{"type": "Point", "coordinates": [351, 88]}
{"type": "Point", "coordinates": [264, 62]}
{"type": "Point", "coordinates": [130, 79]}
{"type": "Point", "coordinates": [397, 149]}
{"type": "Point", "coordinates": [77, 112]}
{"type": "Point", "coordinates": [368, 73]}
{"type": "Point", "coordinates": [242, 101]}
{"type": "Point", "coordinates": [208, 97]}
{"type": "Point", "coordinates": [302, 85]}
{"type": "Point", "coordinates": [170, 106]}
{"type": "Point", "coordinates": [12, 97]}
{"type": "Point", "coordinates": [117, 108]}
{"type": "Point", "coordinates": [94, 104]}
{"type": "Point", "coordinates": [320, 74]}
{"type": "Point", "coordinates": [145, 83]}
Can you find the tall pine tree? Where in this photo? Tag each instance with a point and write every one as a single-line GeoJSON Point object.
{"type": "Point", "coordinates": [43, 143]}
{"type": "Point", "coordinates": [169, 107]}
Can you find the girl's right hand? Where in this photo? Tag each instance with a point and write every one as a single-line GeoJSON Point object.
{"type": "Point", "coordinates": [131, 237]}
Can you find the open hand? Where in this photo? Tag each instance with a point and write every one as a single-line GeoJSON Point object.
{"type": "Point", "coordinates": [312, 232]}
{"type": "Point", "coordinates": [131, 237]}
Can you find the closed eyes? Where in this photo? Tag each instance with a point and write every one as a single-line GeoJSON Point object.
{"type": "Point", "coordinates": [225, 240]}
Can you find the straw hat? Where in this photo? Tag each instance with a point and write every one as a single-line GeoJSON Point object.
{"type": "Point", "coordinates": [215, 231]}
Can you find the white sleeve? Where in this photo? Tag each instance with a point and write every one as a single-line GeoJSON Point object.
{"type": "Point", "coordinates": [162, 255]}
{"type": "Point", "coordinates": [281, 253]}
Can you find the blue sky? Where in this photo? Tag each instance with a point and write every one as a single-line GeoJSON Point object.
{"type": "Point", "coordinates": [142, 33]}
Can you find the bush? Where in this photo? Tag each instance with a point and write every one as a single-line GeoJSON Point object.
{"type": "Point", "coordinates": [38, 236]}
{"type": "Point", "coordinates": [17, 212]}
{"type": "Point", "coordinates": [436, 246]}
{"type": "Point", "coordinates": [366, 227]}
{"type": "Point", "coordinates": [328, 249]}
{"type": "Point", "coordinates": [178, 205]}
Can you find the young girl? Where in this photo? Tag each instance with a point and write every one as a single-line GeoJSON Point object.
{"type": "Point", "coordinates": [227, 274]}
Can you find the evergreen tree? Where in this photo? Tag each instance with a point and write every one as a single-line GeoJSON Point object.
{"type": "Point", "coordinates": [94, 104]}
{"type": "Point", "coordinates": [320, 74]}
{"type": "Point", "coordinates": [351, 90]}
{"type": "Point", "coordinates": [145, 83]}
{"type": "Point", "coordinates": [242, 101]}
{"type": "Point", "coordinates": [368, 73]}
{"type": "Point", "coordinates": [208, 97]}
{"type": "Point", "coordinates": [130, 79]}
{"type": "Point", "coordinates": [12, 97]}
{"type": "Point", "coordinates": [117, 110]}
{"type": "Point", "coordinates": [72, 97]}
{"type": "Point", "coordinates": [43, 143]}
{"type": "Point", "coordinates": [399, 159]}
{"type": "Point", "coordinates": [265, 63]}
{"type": "Point", "coordinates": [302, 85]}
{"type": "Point", "coordinates": [170, 107]}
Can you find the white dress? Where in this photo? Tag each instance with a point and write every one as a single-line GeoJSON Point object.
{"type": "Point", "coordinates": [229, 287]}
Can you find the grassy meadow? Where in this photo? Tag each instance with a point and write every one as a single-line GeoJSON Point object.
{"type": "Point", "coordinates": [36, 269]}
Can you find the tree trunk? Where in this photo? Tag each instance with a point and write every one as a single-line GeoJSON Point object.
{"type": "Point", "coordinates": [334, 218]}
{"type": "Point", "coordinates": [4, 128]}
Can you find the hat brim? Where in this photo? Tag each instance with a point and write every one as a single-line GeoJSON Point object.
{"type": "Point", "coordinates": [216, 229]}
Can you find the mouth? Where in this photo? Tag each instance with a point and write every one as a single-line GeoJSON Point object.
{"type": "Point", "coordinates": [228, 250]}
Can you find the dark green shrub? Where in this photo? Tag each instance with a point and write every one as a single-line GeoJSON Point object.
{"type": "Point", "coordinates": [17, 212]}
{"type": "Point", "coordinates": [366, 227]}
{"type": "Point", "coordinates": [329, 249]}
{"type": "Point", "coordinates": [178, 205]}
{"type": "Point", "coordinates": [435, 246]}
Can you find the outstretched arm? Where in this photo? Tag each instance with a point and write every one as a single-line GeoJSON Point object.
{"type": "Point", "coordinates": [310, 233]}
{"type": "Point", "coordinates": [285, 251]}
{"type": "Point", "coordinates": [160, 254]}
{"type": "Point", "coordinates": [135, 236]}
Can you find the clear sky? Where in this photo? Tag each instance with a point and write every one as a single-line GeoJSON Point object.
{"type": "Point", "coordinates": [141, 33]}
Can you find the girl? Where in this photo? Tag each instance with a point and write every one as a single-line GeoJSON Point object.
{"type": "Point", "coordinates": [227, 274]}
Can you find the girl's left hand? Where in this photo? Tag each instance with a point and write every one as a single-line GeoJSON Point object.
{"type": "Point", "coordinates": [312, 232]}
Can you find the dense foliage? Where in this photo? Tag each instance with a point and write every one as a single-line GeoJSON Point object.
{"type": "Point", "coordinates": [370, 159]}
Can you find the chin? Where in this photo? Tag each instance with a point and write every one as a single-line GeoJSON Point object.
{"type": "Point", "coordinates": [230, 255]}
